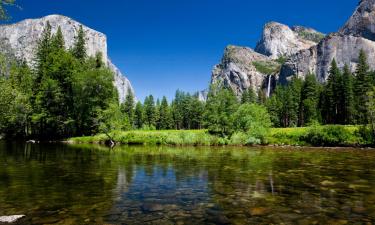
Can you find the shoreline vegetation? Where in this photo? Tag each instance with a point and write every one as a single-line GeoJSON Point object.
{"type": "Point", "coordinates": [314, 136]}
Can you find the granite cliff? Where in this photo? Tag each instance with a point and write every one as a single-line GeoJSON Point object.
{"type": "Point", "coordinates": [298, 52]}
{"type": "Point", "coordinates": [21, 39]}
{"type": "Point", "coordinates": [344, 46]}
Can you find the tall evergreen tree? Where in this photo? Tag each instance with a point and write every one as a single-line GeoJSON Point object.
{"type": "Point", "coordinates": [138, 116]}
{"type": "Point", "coordinates": [58, 41]}
{"type": "Point", "coordinates": [362, 85]}
{"type": "Point", "coordinates": [150, 111]}
{"type": "Point", "coordinates": [348, 96]}
{"type": "Point", "coordinates": [221, 105]}
{"type": "Point", "coordinates": [42, 52]}
{"type": "Point", "coordinates": [309, 101]}
{"type": "Point", "coordinates": [128, 107]}
{"type": "Point", "coordinates": [249, 96]}
{"type": "Point", "coordinates": [165, 115]}
{"type": "Point", "coordinates": [79, 48]}
{"type": "Point", "coordinates": [332, 96]}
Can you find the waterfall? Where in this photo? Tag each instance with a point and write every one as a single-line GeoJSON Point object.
{"type": "Point", "coordinates": [269, 86]}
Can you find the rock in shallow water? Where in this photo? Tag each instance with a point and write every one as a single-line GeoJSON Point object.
{"type": "Point", "coordinates": [10, 219]}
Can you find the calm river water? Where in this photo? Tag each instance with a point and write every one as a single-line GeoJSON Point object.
{"type": "Point", "coordinates": [82, 184]}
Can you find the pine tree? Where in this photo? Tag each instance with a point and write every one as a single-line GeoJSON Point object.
{"type": "Point", "coordinates": [196, 113]}
{"type": "Point", "coordinates": [332, 96]}
{"type": "Point", "coordinates": [248, 96]}
{"type": "Point", "coordinates": [150, 111]}
{"type": "Point", "coordinates": [79, 48]}
{"type": "Point", "coordinates": [138, 116]}
{"type": "Point", "coordinates": [128, 107]}
{"type": "Point", "coordinates": [262, 97]}
{"type": "Point", "coordinates": [348, 96]}
{"type": "Point", "coordinates": [58, 41]}
{"type": "Point", "coordinates": [221, 105]}
{"type": "Point", "coordinates": [165, 116]}
{"type": "Point", "coordinates": [178, 110]}
{"type": "Point", "coordinates": [43, 51]}
{"type": "Point", "coordinates": [309, 101]}
{"type": "Point", "coordinates": [362, 85]}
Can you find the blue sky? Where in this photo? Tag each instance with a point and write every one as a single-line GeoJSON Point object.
{"type": "Point", "coordinates": [165, 45]}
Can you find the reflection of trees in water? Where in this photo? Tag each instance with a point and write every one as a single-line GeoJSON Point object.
{"type": "Point", "coordinates": [276, 186]}
{"type": "Point", "coordinates": [54, 182]}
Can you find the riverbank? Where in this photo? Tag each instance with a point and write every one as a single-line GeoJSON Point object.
{"type": "Point", "coordinates": [320, 136]}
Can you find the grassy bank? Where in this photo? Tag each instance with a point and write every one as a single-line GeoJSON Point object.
{"type": "Point", "coordinates": [306, 136]}
{"type": "Point", "coordinates": [331, 136]}
{"type": "Point", "coordinates": [167, 137]}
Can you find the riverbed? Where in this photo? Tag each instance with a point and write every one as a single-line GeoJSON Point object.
{"type": "Point", "coordinates": [91, 184]}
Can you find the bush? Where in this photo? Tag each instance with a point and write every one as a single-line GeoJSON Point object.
{"type": "Point", "coordinates": [252, 120]}
{"type": "Point", "coordinates": [327, 136]}
{"type": "Point", "coordinates": [366, 135]}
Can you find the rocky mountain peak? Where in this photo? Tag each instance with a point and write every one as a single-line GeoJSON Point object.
{"type": "Point", "coordinates": [279, 40]}
{"type": "Point", "coordinates": [362, 22]}
{"type": "Point", "coordinates": [21, 40]}
{"type": "Point", "coordinates": [242, 68]}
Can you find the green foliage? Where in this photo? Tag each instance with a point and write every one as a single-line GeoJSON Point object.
{"type": "Point", "coordinates": [266, 67]}
{"type": "Point", "coordinates": [165, 115]}
{"type": "Point", "coordinates": [284, 104]}
{"type": "Point", "coordinates": [327, 136]}
{"type": "Point", "coordinates": [309, 101]}
{"type": "Point", "coordinates": [170, 137]}
{"type": "Point", "coordinates": [332, 95]}
{"type": "Point", "coordinates": [362, 85]}
{"type": "Point", "coordinates": [63, 96]}
{"type": "Point", "coordinates": [128, 108]}
{"type": "Point", "coordinates": [187, 111]}
{"type": "Point", "coordinates": [347, 92]}
{"type": "Point", "coordinates": [138, 116]}
{"type": "Point", "coordinates": [221, 105]}
{"type": "Point", "coordinates": [79, 48]}
{"type": "Point", "coordinates": [312, 36]}
{"type": "Point", "coordinates": [253, 120]}
{"type": "Point", "coordinates": [150, 111]}
{"type": "Point", "coordinates": [248, 96]}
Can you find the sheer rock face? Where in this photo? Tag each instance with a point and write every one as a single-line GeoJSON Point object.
{"type": "Point", "coordinates": [23, 37]}
{"type": "Point", "coordinates": [237, 69]}
{"type": "Point", "coordinates": [317, 60]}
{"type": "Point", "coordinates": [362, 22]}
{"type": "Point", "coordinates": [358, 33]}
{"type": "Point", "coordinates": [279, 40]}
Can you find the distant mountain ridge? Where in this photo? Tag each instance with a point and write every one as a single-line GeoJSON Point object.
{"type": "Point", "coordinates": [298, 51]}
{"type": "Point", "coordinates": [20, 39]}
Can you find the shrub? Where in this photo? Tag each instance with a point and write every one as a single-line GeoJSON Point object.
{"type": "Point", "coordinates": [252, 120]}
{"type": "Point", "coordinates": [327, 136]}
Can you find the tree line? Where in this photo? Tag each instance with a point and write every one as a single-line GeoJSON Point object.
{"type": "Point", "coordinates": [341, 100]}
{"type": "Point", "coordinates": [64, 93]}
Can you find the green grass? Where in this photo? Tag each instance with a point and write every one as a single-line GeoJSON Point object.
{"type": "Point", "coordinates": [330, 135]}
{"type": "Point", "coordinates": [305, 136]}
{"type": "Point", "coordinates": [166, 137]}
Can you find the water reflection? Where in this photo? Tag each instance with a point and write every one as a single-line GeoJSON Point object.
{"type": "Point", "coordinates": [59, 184]}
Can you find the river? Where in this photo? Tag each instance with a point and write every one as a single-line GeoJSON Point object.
{"type": "Point", "coordinates": [86, 184]}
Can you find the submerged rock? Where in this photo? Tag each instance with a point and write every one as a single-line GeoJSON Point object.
{"type": "Point", "coordinates": [10, 219]}
{"type": "Point", "coordinates": [151, 207]}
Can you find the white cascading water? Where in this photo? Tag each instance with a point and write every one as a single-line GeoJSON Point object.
{"type": "Point", "coordinates": [269, 86]}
